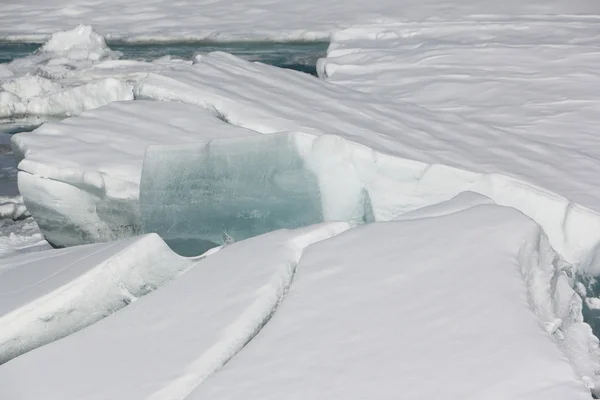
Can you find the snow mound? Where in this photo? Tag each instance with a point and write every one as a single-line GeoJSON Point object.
{"type": "Point", "coordinates": [50, 294]}
{"type": "Point", "coordinates": [414, 308]}
{"type": "Point", "coordinates": [79, 43]}
{"type": "Point", "coordinates": [169, 341]}
{"type": "Point", "coordinates": [80, 177]}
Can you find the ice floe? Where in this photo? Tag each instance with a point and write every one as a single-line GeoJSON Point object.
{"type": "Point", "coordinates": [168, 342]}
{"type": "Point", "coordinates": [417, 308]}
{"type": "Point", "coordinates": [50, 294]}
{"type": "Point", "coordinates": [80, 177]}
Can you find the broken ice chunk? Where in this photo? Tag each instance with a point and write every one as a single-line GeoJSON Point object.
{"type": "Point", "coordinates": [196, 195]}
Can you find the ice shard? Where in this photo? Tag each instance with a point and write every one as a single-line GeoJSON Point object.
{"type": "Point", "coordinates": [198, 196]}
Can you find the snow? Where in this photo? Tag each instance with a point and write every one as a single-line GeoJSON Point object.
{"type": "Point", "coordinates": [417, 103]}
{"type": "Point", "coordinates": [50, 294]}
{"type": "Point", "coordinates": [81, 43]}
{"type": "Point", "coordinates": [413, 309]}
{"type": "Point", "coordinates": [80, 177]}
{"type": "Point", "coordinates": [405, 156]}
{"type": "Point", "coordinates": [221, 20]}
{"type": "Point", "coordinates": [12, 207]}
{"type": "Point", "coordinates": [533, 78]}
{"type": "Point", "coordinates": [460, 202]}
{"type": "Point", "coordinates": [168, 342]}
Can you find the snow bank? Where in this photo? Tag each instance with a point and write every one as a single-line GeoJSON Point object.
{"type": "Point", "coordinates": [80, 177]}
{"type": "Point", "coordinates": [51, 294]}
{"type": "Point", "coordinates": [169, 341]}
{"type": "Point", "coordinates": [417, 308]}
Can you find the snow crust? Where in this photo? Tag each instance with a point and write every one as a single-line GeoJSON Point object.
{"type": "Point", "coordinates": [386, 310]}
{"type": "Point", "coordinates": [166, 343]}
{"type": "Point", "coordinates": [50, 294]}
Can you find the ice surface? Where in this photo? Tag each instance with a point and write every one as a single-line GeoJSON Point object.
{"type": "Point", "coordinates": [51, 294]}
{"type": "Point", "coordinates": [462, 201]}
{"type": "Point", "coordinates": [80, 177]}
{"type": "Point", "coordinates": [233, 189]}
{"type": "Point", "coordinates": [166, 343]}
{"type": "Point", "coordinates": [413, 309]}
{"type": "Point", "coordinates": [228, 189]}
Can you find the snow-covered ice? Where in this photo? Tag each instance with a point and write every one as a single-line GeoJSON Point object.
{"type": "Point", "coordinates": [164, 20]}
{"type": "Point", "coordinates": [80, 177]}
{"type": "Point", "coordinates": [166, 343]}
{"type": "Point", "coordinates": [404, 155]}
{"type": "Point", "coordinates": [413, 309]}
{"type": "Point", "coordinates": [417, 102]}
{"type": "Point", "coordinates": [243, 187]}
{"type": "Point", "coordinates": [33, 86]}
{"type": "Point", "coordinates": [532, 77]}
{"type": "Point", "coordinates": [50, 294]}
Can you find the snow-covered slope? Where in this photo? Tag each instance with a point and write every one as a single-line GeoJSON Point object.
{"type": "Point", "coordinates": [447, 305]}
{"type": "Point", "coordinates": [166, 343]}
{"type": "Point", "coordinates": [50, 294]}
{"type": "Point", "coordinates": [80, 177]}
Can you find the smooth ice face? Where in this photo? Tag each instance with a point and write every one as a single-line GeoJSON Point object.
{"type": "Point", "coordinates": [201, 195]}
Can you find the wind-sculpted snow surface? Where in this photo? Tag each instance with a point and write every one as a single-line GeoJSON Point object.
{"type": "Point", "coordinates": [166, 343]}
{"type": "Point", "coordinates": [412, 309]}
{"type": "Point", "coordinates": [50, 294]}
{"type": "Point", "coordinates": [534, 77]}
{"type": "Point", "coordinates": [80, 177]}
{"type": "Point", "coordinates": [43, 84]}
